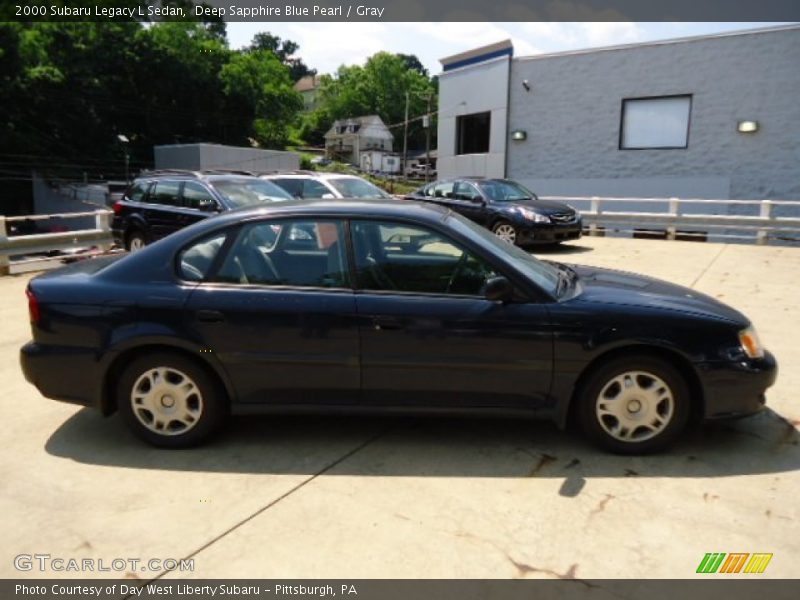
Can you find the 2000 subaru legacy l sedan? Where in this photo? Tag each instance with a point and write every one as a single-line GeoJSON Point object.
{"type": "Point", "coordinates": [381, 306]}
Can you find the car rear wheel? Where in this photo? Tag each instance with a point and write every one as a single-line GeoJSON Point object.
{"type": "Point", "coordinates": [136, 241]}
{"type": "Point", "coordinates": [170, 401]}
{"type": "Point", "coordinates": [634, 405]}
{"type": "Point", "coordinates": [505, 231]}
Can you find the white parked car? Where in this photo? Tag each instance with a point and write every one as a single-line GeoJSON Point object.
{"type": "Point", "coordinates": [309, 184]}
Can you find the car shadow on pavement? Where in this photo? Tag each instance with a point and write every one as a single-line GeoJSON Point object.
{"type": "Point", "coordinates": [559, 249]}
{"type": "Point", "coordinates": [433, 447]}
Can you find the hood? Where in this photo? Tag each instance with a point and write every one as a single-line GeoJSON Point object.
{"type": "Point", "coordinates": [544, 207]}
{"type": "Point", "coordinates": [606, 286]}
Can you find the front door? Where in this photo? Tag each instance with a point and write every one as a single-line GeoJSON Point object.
{"type": "Point", "coordinates": [279, 313]}
{"type": "Point", "coordinates": [428, 335]}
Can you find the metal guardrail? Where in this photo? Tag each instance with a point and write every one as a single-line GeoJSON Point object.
{"type": "Point", "coordinates": [674, 216]}
{"type": "Point", "coordinates": [100, 237]}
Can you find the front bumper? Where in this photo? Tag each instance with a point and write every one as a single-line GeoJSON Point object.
{"type": "Point", "coordinates": [548, 233]}
{"type": "Point", "coordinates": [736, 389]}
{"type": "Point", "coordinates": [62, 373]}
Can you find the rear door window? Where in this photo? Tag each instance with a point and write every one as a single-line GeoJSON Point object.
{"type": "Point", "coordinates": [195, 260]}
{"type": "Point", "coordinates": [443, 190]}
{"type": "Point", "coordinates": [166, 193]}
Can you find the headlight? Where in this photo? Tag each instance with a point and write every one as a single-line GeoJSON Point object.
{"type": "Point", "coordinates": [751, 345]}
{"type": "Point", "coordinates": [533, 216]}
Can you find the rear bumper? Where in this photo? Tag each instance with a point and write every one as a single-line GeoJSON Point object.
{"type": "Point", "coordinates": [62, 373]}
{"type": "Point", "coordinates": [737, 389]}
{"type": "Point", "coordinates": [549, 234]}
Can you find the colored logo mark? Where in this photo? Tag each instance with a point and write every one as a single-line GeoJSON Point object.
{"type": "Point", "coordinates": [735, 562]}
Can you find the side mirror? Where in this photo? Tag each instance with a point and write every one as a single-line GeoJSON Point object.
{"type": "Point", "coordinates": [498, 289]}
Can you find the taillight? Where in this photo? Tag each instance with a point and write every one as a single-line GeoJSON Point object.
{"type": "Point", "coordinates": [117, 207]}
{"type": "Point", "coordinates": [33, 306]}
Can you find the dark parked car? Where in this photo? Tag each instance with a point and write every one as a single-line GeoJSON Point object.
{"type": "Point", "coordinates": [162, 202]}
{"type": "Point", "coordinates": [512, 212]}
{"type": "Point", "coordinates": [382, 307]}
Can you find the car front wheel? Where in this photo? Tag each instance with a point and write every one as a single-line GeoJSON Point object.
{"type": "Point", "coordinates": [505, 231]}
{"type": "Point", "coordinates": [634, 405]}
{"type": "Point", "coordinates": [170, 401]}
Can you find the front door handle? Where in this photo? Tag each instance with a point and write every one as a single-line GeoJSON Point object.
{"type": "Point", "coordinates": [210, 316]}
{"type": "Point", "coordinates": [386, 323]}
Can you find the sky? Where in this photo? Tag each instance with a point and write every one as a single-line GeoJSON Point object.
{"type": "Point", "coordinates": [326, 45]}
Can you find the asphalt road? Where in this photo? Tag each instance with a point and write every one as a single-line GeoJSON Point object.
{"type": "Point", "coordinates": [435, 498]}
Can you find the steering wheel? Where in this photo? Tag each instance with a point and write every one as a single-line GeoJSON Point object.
{"type": "Point", "coordinates": [462, 261]}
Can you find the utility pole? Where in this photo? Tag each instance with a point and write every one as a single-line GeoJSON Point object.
{"type": "Point", "coordinates": [428, 140]}
{"type": "Point", "coordinates": [405, 138]}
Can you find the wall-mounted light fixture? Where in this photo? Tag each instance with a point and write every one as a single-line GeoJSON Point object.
{"type": "Point", "coordinates": [526, 85]}
{"type": "Point", "coordinates": [747, 126]}
{"type": "Point", "coordinates": [519, 135]}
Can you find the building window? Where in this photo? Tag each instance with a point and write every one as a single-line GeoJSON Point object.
{"type": "Point", "coordinates": [655, 122]}
{"type": "Point", "coordinates": [472, 133]}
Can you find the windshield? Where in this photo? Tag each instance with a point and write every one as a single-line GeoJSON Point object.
{"type": "Point", "coordinates": [542, 274]}
{"type": "Point", "coordinates": [505, 191]}
{"type": "Point", "coordinates": [247, 192]}
{"type": "Point", "coordinates": [355, 187]}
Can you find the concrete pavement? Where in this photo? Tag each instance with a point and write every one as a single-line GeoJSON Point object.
{"type": "Point", "coordinates": [367, 497]}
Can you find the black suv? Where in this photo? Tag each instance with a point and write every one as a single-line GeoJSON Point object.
{"type": "Point", "coordinates": [506, 207]}
{"type": "Point", "coordinates": [161, 202]}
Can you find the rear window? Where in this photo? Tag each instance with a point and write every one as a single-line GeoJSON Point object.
{"type": "Point", "coordinates": [137, 191]}
{"type": "Point", "coordinates": [355, 187]}
{"type": "Point", "coordinates": [293, 186]}
{"type": "Point", "coordinates": [249, 192]}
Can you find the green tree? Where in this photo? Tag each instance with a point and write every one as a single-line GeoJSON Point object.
{"type": "Point", "coordinates": [69, 89]}
{"type": "Point", "coordinates": [379, 87]}
{"type": "Point", "coordinates": [285, 51]}
{"type": "Point", "coordinates": [259, 85]}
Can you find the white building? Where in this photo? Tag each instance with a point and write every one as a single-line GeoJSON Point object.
{"type": "Point", "coordinates": [347, 139]}
{"type": "Point", "coordinates": [713, 116]}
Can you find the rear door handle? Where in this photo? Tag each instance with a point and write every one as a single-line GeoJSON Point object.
{"type": "Point", "coordinates": [386, 323]}
{"type": "Point", "coordinates": [210, 316]}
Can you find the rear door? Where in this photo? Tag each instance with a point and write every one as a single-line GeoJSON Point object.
{"type": "Point", "coordinates": [279, 313]}
{"type": "Point", "coordinates": [163, 211]}
{"type": "Point", "coordinates": [428, 335]}
{"type": "Point", "coordinates": [467, 201]}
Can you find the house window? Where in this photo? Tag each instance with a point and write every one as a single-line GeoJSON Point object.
{"type": "Point", "coordinates": [472, 133]}
{"type": "Point", "coordinates": [655, 122]}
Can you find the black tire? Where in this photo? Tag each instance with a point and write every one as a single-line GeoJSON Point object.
{"type": "Point", "coordinates": [209, 397]}
{"type": "Point", "coordinates": [132, 238]}
{"type": "Point", "coordinates": [601, 380]}
{"type": "Point", "coordinates": [503, 223]}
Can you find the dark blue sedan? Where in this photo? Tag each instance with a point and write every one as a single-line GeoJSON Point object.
{"type": "Point", "coordinates": [382, 306]}
{"type": "Point", "coordinates": [508, 209]}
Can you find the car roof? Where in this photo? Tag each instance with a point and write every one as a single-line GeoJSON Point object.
{"type": "Point", "coordinates": [346, 207]}
{"type": "Point", "coordinates": [308, 174]}
{"type": "Point", "coordinates": [185, 174]}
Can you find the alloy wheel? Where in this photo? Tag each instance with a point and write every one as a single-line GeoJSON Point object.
{"type": "Point", "coordinates": [506, 232]}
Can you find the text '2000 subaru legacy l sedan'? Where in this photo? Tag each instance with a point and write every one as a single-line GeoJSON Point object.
{"type": "Point", "coordinates": [382, 307]}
